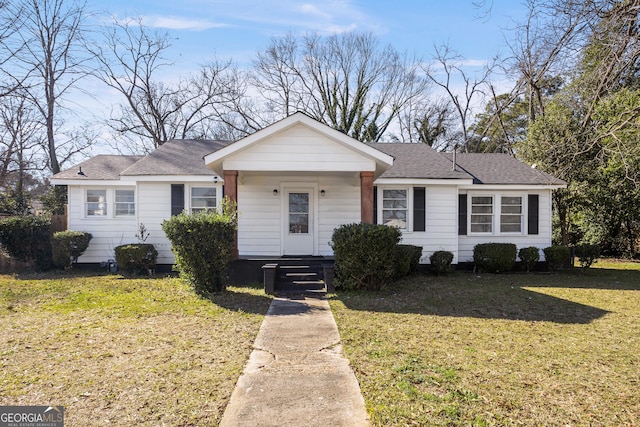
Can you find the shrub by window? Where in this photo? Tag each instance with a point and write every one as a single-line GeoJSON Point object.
{"type": "Point", "coordinates": [441, 262]}
{"type": "Point", "coordinates": [68, 246]}
{"type": "Point", "coordinates": [364, 255]}
{"type": "Point", "coordinates": [203, 245]}
{"type": "Point", "coordinates": [529, 257]}
{"type": "Point", "coordinates": [494, 257]}
{"type": "Point", "coordinates": [136, 258]}
{"type": "Point", "coordinates": [407, 260]}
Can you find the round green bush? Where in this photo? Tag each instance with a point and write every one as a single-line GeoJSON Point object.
{"type": "Point", "coordinates": [556, 256]}
{"type": "Point", "coordinates": [494, 257]}
{"type": "Point", "coordinates": [529, 257]}
{"type": "Point", "coordinates": [441, 262]}
{"type": "Point", "coordinates": [365, 255]}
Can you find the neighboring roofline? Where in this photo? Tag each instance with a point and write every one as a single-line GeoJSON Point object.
{"type": "Point", "coordinates": [214, 160]}
{"type": "Point", "coordinates": [167, 178]}
{"type": "Point", "coordinates": [90, 182]}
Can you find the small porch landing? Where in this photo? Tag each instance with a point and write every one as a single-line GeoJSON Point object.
{"type": "Point", "coordinates": [285, 274]}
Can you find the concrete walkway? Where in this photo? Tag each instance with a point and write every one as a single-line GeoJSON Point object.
{"type": "Point", "coordinates": [297, 374]}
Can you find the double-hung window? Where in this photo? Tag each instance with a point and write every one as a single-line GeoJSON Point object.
{"type": "Point", "coordinates": [96, 203]}
{"type": "Point", "coordinates": [203, 199]}
{"type": "Point", "coordinates": [511, 214]}
{"type": "Point", "coordinates": [394, 207]}
{"type": "Point", "coordinates": [125, 203]}
{"type": "Point", "coordinates": [481, 214]}
{"type": "Point", "coordinates": [110, 202]}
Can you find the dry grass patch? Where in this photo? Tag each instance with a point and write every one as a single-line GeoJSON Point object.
{"type": "Point", "coordinates": [121, 351]}
{"type": "Point", "coordinates": [493, 350]}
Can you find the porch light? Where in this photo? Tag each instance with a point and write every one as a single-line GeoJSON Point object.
{"type": "Point", "coordinates": [275, 191]}
{"type": "Point", "coordinates": [322, 193]}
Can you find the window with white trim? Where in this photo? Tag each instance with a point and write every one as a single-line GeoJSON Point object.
{"type": "Point", "coordinates": [394, 207]}
{"type": "Point", "coordinates": [96, 202]}
{"type": "Point", "coordinates": [511, 214]}
{"type": "Point", "coordinates": [481, 214]}
{"type": "Point", "coordinates": [125, 203]}
{"type": "Point", "coordinates": [203, 199]}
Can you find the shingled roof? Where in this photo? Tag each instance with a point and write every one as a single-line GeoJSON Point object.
{"type": "Point", "coordinates": [101, 167]}
{"type": "Point", "coordinates": [413, 161]}
{"type": "Point", "coordinates": [418, 161]}
{"type": "Point", "coordinates": [497, 168]}
{"type": "Point", "coordinates": [177, 157]}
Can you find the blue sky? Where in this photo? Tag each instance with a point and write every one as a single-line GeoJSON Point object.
{"type": "Point", "coordinates": [239, 28]}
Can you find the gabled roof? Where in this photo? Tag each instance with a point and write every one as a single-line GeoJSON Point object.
{"type": "Point", "coordinates": [177, 157]}
{"type": "Point", "coordinates": [382, 160]}
{"type": "Point", "coordinates": [100, 167]}
{"type": "Point", "coordinates": [418, 161]}
{"type": "Point", "coordinates": [497, 168]}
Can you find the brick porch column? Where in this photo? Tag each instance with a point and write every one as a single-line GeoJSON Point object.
{"type": "Point", "coordinates": [366, 197]}
{"type": "Point", "coordinates": [231, 190]}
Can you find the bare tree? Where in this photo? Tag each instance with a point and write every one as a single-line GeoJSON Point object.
{"type": "Point", "coordinates": [347, 81]}
{"type": "Point", "coordinates": [53, 59]}
{"type": "Point", "coordinates": [20, 139]}
{"type": "Point", "coordinates": [462, 89]}
{"type": "Point", "coordinates": [154, 111]}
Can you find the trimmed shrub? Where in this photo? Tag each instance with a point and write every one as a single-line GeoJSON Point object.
{"type": "Point", "coordinates": [556, 256]}
{"type": "Point", "coordinates": [587, 254]}
{"type": "Point", "coordinates": [529, 257]}
{"type": "Point", "coordinates": [365, 255]}
{"type": "Point", "coordinates": [203, 244]}
{"type": "Point", "coordinates": [441, 262]}
{"type": "Point", "coordinates": [136, 258]}
{"type": "Point", "coordinates": [494, 257]}
{"type": "Point", "coordinates": [28, 239]}
{"type": "Point", "coordinates": [68, 245]}
{"type": "Point", "coordinates": [407, 260]}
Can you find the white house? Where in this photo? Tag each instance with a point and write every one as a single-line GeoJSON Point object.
{"type": "Point", "coordinates": [297, 180]}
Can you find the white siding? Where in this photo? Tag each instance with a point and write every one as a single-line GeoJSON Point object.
{"type": "Point", "coordinates": [298, 149]}
{"type": "Point", "coordinates": [108, 232]}
{"type": "Point", "coordinates": [541, 240]}
{"type": "Point", "coordinates": [260, 221]}
{"type": "Point", "coordinates": [441, 228]}
{"type": "Point", "coordinates": [153, 205]}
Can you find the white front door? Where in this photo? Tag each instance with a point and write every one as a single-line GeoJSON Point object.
{"type": "Point", "coordinates": [299, 232]}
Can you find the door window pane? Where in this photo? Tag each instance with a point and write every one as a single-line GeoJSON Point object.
{"type": "Point", "coordinates": [299, 213]}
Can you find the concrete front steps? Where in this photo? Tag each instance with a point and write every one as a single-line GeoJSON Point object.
{"type": "Point", "coordinates": [298, 275]}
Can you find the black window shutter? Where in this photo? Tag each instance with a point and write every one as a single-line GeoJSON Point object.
{"type": "Point", "coordinates": [533, 217]}
{"type": "Point", "coordinates": [462, 214]}
{"type": "Point", "coordinates": [177, 199]}
{"type": "Point", "coordinates": [419, 209]}
{"type": "Point", "coordinates": [375, 205]}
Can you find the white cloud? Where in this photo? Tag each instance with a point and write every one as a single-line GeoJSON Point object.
{"type": "Point", "coordinates": [177, 23]}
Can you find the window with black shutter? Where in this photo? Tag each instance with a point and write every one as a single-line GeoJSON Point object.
{"type": "Point", "coordinates": [177, 199]}
{"type": "Point", "coordinates": [419, 209]}
{"type": "Point", "coordinates": [533, 217]}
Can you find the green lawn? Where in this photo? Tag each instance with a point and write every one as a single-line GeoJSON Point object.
{"type": "Point", "coordinates": [125, 352]}
{"type": "Point", "coordinates": [493, 350]}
